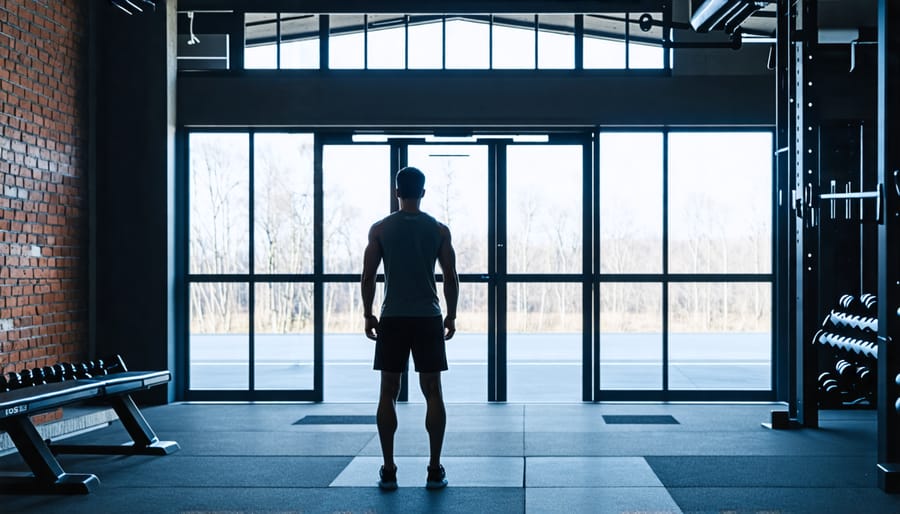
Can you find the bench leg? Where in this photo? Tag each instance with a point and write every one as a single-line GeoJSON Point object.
{"type": "Point", "coordinates": [144, 439]}
{"type": "Point", "coordinates": [47, 474]}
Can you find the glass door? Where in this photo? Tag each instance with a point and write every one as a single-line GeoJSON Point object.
{"type": "Point", "coordinates": [547, 272]}
{"type": "Point", "coordinates": [456, 194]}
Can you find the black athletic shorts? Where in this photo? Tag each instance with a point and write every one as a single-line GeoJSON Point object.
{"type": "Point", "coordinates": [424, 337]}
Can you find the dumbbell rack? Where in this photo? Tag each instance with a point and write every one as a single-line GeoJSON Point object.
{"type": "Point", "coordinates": [848, 356]}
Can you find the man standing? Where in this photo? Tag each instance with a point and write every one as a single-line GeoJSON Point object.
{"type": "Point", "coordinates": [409, 242]}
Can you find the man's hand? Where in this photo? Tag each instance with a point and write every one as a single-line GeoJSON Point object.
{"type": "Point", "coordinates": [449, 328]}
{"type": "Point", "coordinates": [372, 327]}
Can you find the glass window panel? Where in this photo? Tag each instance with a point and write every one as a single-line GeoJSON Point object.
{"type": "Point", "coordinates": [283, 337]}
{"type": "Point", "coordinates": [631, 202]}
{"type": "Point", "coordinates": [556, 41]}
{"type": "Point", "coordinates": [348, 355]}
{"type": "Point", "coordinates": [630, 336]}
{"type": "Point", "coordinates": [347, 42]}
{"type": "Point", "coordinates": [468, 42]}
{"type": "Point", "coordinates": [645, 48]}
{"type": "Point", "coordinates": [219, 340]}
{"type": "Point", "coordinates": [386, 43]}
{"type": "Point", "coordinates": [544, 211]}
{"type": "Point", "coordinates": [299, 41]}
{"type": "Point", "coordinates": [720, 202]}
{"type": "Point", "coordinates": [604, 41]}
{"type": "Point", "coordinates": [466, 377]}
{"type": "Point", "coordinates": [260, 41]}
{"type": "Point", "coordinates": [720, 336]}
{"type": "Point", "coordinates": [513, 40]}
{"type": "Point", "coordinates": [456, 194]}
{"type": "Point", "coordinates": [544, 342]}
{"type": "Point", "coordinates": [357, 183]}
{"type": "Point", "coordinates": [219, 192]}
{"type": "Point", "coordinates": [283, 203]}
{"type": "Point", "coordinates": [426, 42]}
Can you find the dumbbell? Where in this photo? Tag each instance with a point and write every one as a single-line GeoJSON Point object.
{"type": "Point", "coordinates": [50, 374]}
{"type": "Point", "coordinates": [60, 372]}
{"type": "Point", "coordinates": [846, 373]}
{"type": "Point", "coordinates": [846, 301]}
{"type": "Point", "coordinates": [870, 302]}
{"type": "Point", "coordinates": [38, 377]}
{"type": "Point", "coordinates": [98, 368]}
{"type": "Point", "coordinates": [864, 375]}
{"type": "Point", "coordinates": [13, 380]}
{"type": "Point", "coordinates": [830, 391]}
{"type": "Point", "coordinates": [82, 370]}
{"type": "Point", "coordinates": [3, 387]}
{"type": "Point", "coordinates": [26, 378]}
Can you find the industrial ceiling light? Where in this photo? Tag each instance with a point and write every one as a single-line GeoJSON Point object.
{"type": "Point", "coordinates": [724, 15]}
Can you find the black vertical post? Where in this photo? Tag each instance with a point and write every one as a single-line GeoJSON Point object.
{"type": "Point", "coordinates": [587, 280]}
{"type": "Point", "coordinates": [784, 248]}
{"type": "Point", "coordinates": [236, 42]}
{"type": "Point", "coordinates": [318, 267]}
{"type": "Point", "coordinates": [888, 247]}
{"type": "Point", "coordinates": [399, 158]}
{"type": "Point", "coordinates": [806, 155]}
{"type": "Point", "coordinates": [595, 247]}
{"type": "Point", "coordinates": [324, 30]}
{"type": "Point", "coordinates": [492, 274]}
{"type": "Point", "coordinates": [501, 272]}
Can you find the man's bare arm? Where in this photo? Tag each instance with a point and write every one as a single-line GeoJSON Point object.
{"type": "Point", "coordinates": [371, 259]}
{"type": "Point", "coordinates": [447, 260]}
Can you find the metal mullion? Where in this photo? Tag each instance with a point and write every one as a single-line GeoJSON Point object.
{"type": "Point", "coordinates": [318, 267]}
{"type": "Point", "coordinates": [365, 41]}
{"type": "Point", "coordinates": [182, 259]}
{"type": "Point", "coordinates": [579, 41]}
{"type": "Point", "coordinates": [251, 294]}
{"type": "Point", "coordinates": [405, 41]}
{"type": "Point", "coordinates": [595, 171]}
{"type": "Point", "coordinates": [537, 30]}
{"type": "Point", "coordinates": [492, 274]}
{"type": "Point", "coordinates": [444, 42]}
{"type": "Point", "coordinates": [665, 261]}
{"type": "Point", "coordinates": [587, 370]}
{"type": "Point", "coordinates": [627, 41]}
{"type": "Point", "coordinates": [490, 41]}
{"type": "Point", "coordinates": [278, 41]}
{"type": "Point", "coordinates": [399, 158]}
{"type": "Point", "coordinates": [284, 277]}
{"type": "Point", "coordinates": [545, 278]}
{"type": "Point", "coordinates": [324, 36]}
{"type": "Point", "coordinates": [501, 305]}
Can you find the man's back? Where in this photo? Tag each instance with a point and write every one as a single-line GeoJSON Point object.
{"type": "Point", "coordinates": [410, 242]}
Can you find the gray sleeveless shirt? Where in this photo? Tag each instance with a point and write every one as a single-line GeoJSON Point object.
{"type": "Point", "coordinates": [409, 248]}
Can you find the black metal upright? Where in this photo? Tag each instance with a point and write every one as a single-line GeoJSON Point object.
{"type": "Point", "coordinates": [889, 247]}
{"type": "Point", "coordinates": [785, 249]}
{"type": "Point", "coordinates": [806, 190]}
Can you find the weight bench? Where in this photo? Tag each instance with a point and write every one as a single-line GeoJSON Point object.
{"type": "Point", "coordinates": [47, 475]}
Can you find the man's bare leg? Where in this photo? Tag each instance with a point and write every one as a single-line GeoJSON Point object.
{"type": "Point", "coordinates": [435, 415]}
{"type": "Point", "coordinates": [386, 416]}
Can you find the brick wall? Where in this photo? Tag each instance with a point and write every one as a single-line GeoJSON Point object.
{"type": "Point", "coordinates": [43, 314]}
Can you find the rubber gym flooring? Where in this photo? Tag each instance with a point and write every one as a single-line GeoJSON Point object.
{"type": "Point", "coordinates": [597, 458]}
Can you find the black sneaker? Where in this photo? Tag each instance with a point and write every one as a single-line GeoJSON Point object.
{"type": "Point", "coordinates": [437, 478]}
{"type": "Point", "coordinates": [387, 480]}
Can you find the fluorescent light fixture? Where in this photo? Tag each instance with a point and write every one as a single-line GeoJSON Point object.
{"type": "Point", "coordinates": [451, 139]}
{"type": "Point", "coordinates": [369, 138]}
{"type": "Point", "coordinates": [430, 138]}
